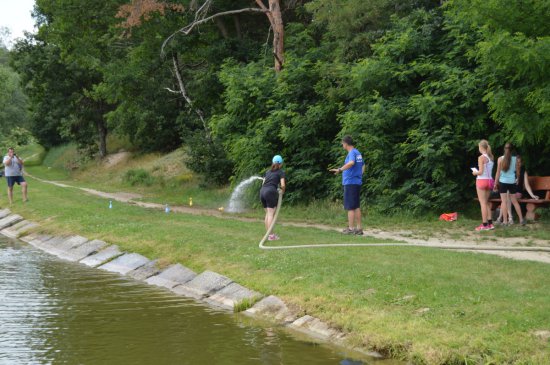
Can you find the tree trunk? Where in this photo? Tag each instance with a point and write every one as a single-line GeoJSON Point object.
{"type": "Point", "coordinates": [237, 23]}
{"type": "Point", "coordinates": [276, 20]}
{"type": "Point", "coordinates": [222, 28]}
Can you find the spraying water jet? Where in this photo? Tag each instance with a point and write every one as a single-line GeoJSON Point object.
{"type": "Point", "coordinates": [236, 204]}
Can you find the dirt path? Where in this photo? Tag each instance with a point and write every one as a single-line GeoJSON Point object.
{"type": "Point", "coordinates": [403, 236]}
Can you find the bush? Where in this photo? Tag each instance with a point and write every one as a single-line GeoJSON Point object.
{"type": "Point", "coordinates": [139, 177]}
{"type": "Point", "coordinates": [207, 157]}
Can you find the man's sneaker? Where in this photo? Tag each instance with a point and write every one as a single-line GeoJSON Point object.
{"type": "Point", "coordinates": [358, 232]}
{"type": "Point", "coordinates": [348, 231]}
{"type": "Point", "coordinates": [481, 227]}
{"type": "Point", "coordinates": [272, 237]}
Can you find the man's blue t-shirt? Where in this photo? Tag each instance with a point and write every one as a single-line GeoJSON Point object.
{"type": "Point", "coordinates": [353, 175]}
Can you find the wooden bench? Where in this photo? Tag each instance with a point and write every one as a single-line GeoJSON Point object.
{"type": "Point", "coordinates": [538, 184]}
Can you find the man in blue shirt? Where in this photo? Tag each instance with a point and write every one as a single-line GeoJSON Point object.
{"type": "Point", "coordinates": [352, 177]}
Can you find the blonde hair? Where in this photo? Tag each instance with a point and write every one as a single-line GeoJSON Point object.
{"type": "Point", "coordinates": [485, 145]}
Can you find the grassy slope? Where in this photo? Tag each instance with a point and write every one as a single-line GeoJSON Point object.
{"type": "Point", "coordinates": [482, 308]}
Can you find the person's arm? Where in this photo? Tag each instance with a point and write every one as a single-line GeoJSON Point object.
{"type": "Point", "coordinates": [283, 185]}
{"type": "Point", "coordinates": [481, 165]}
{"type": "Point", "coordinates": [497, 176]}
{"type": "Point", "coordinates": [364, 168]}
{"type": "Point", "coordinates": [7, 161]}
{"type": "Point", "coordinates": [528, 187]}
{"type": "Point", "coordinates": [349, 165]}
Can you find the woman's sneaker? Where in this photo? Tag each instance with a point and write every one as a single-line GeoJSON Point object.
{"type": "Point", "coordinates": [524, 222]}
{"type": "Point", "coordinates": [348, 231]}
{"type": "Point", "coordinates": [272, 237]}
{"type": "Point", "coordinates": [491, 227]}
{"type": "Point", "coordinates": [358, 232]}
{"type": "Point", "coordinates": [481, 227]}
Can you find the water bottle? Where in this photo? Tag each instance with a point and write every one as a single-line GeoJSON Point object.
{"type": "Point", "coordinates": [110, 204]}
{"type": "Point", "coordinates": [190, 202]}
{"type": "Point", "coordinates": [166, 209]}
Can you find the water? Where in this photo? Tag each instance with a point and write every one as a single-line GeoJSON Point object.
{"type": "Point", "coordinates": [56, 312]}
{"type": "Point", "coordinates": [236, 204]}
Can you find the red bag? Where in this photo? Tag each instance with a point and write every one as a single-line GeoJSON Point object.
{"type": "Point", "coordinates": [449, 217]}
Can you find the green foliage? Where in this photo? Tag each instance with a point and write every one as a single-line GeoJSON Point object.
{"type": "Point", "coordinates": [13, 102]}
{"type": "Point", "coordinates": [417, 84]}
{"type": "Point", "coordinates": [208, 158]}
{"type": "Point", "coordinates": [139, 177]}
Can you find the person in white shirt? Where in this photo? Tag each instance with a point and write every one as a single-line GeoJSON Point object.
{"type": "Point", "coordinates": [14, 174]}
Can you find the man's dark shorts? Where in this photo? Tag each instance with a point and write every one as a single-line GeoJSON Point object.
{"type": "Point", "coordinates": [352, 199]}
{"type": "Point", "coordinates": [14, 179]}
{"type": "Point", "coordinates": [269, 197]}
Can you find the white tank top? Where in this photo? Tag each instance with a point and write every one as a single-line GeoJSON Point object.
{"type": "Point", "coordinates": [487, 169]}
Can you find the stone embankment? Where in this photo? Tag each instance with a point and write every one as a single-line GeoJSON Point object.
{"type": "Point", "coordinates": [208, 287]}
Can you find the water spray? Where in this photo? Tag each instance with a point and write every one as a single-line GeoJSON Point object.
{"type": "Point", "coordinates": [235, 202]}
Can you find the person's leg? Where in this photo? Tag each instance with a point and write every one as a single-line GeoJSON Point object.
{"type": "Point", "coordinates": [10, 194]}
{"type": "Point", "coordinates": [504, 206]}
{"type": "Point", "coordinates": [359, 227]}
{"type": "Point", "coordinates": [270, 215]}
{"type": "Point", "coordinates": [24, 190]}
{"type": "Point", "coordinates": [266, 220]}
{"type": "Point", "coordinates": [482, 198]}
{"type": "Point", "coordinates": [515, 202]}
{"type": "Point", "coordinates": [488, 213]}
{"type": "Point", "coordinates": [510, 213]}
{"type": "Point", "coordinates": [351, 218]}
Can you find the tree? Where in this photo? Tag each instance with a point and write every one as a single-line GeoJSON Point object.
{"type": "Point", "coordinates": [272, 11]}
{"type": "Point", "coordinates": [85, 44]}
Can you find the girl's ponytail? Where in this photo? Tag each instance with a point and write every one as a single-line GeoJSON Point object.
{"type": "Point", "coordinates": [506, 162]}
{"type": "Point", "coordinates": [485, 145]}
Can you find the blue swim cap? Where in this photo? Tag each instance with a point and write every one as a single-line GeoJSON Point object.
{"type": "Point", "coordinates": [277, 159]}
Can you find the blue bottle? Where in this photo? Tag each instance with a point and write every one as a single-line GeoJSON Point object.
{"type": "Point", "coordinates": [110, 204]}
{"type": "Point", "coordinates": [166, 209]}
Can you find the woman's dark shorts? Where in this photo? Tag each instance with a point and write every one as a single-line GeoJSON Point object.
{"type": "Point", "coordinates": [269, 197]}
{"type": "Point", "coordinates": [352, 199]}
{"type": "Point", "coordinates": [14, 179]}
{"type": "Point", "coordinates": [507, 188]}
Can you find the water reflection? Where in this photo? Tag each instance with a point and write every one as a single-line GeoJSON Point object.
{"type": "Point", "coordinates": [57, 312]}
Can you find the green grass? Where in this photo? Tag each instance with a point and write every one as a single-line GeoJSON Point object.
{"type": "Point", "coordinates": [32, 154]}
{"type": "Point", "coordinates": [168, 181]}
{"type": "Point", "coordinates": [483, 308]}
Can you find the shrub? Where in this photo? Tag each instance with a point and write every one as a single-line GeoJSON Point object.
{"type": "Point", "coordinates": [139, 177]}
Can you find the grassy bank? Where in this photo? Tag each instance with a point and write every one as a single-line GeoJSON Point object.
{"type": "Point", "coordinates": [426, 305]}
{"type": "Point", "coordinates": [165, 179]}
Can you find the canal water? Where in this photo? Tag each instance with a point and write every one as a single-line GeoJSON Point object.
{"type": "Point", "coordinates": [57, 312]}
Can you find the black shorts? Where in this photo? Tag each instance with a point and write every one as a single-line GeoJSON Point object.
{"type": "Point", "coordinates": [14, 179]}
{"type": "Point", "coordinates": [352, 199]}
{"type": "Point", "coordinates": [507, 188]}
{"type": "Point", "coordinates": [269, 197]}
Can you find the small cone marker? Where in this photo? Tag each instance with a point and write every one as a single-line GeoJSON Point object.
{"type": "Point", "coordinates": [190, 202]}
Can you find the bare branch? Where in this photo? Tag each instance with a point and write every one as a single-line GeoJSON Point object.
{"type": "Point", "coordinates": [172, 91]}
{"type": "Point", "coordinates": [188, 28]}
{"type": "Point", "coordinates": [183, 93]}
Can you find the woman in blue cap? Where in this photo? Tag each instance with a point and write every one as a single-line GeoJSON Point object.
{"type": "Point", "coordinates": [273, 178]}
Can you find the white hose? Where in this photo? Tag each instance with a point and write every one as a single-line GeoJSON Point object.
{"type": "Point", "coordinates": [444, 247]}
